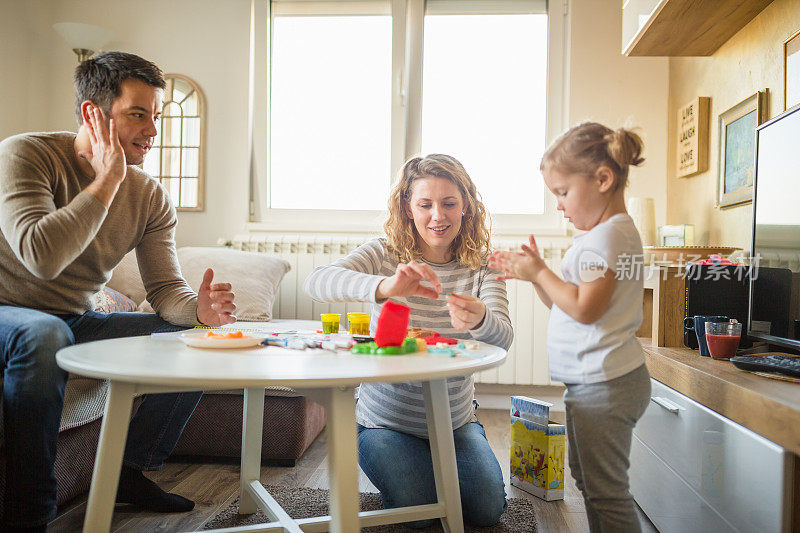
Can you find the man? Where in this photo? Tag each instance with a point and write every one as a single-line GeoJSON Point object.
{"type": "Point", "coordinates": [71, 206]}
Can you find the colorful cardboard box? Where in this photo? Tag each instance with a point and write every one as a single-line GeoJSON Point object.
{"type": "Point", "coordinates": [537, 449]}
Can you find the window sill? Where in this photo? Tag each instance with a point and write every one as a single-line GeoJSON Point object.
{"type": "Point", "coordinates": [371, 223]}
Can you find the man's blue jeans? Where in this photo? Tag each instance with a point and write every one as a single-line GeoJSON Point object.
{"type": "Point", "coordinates": [33, 396]}
{"type": "Point", "coordinates": [400, 466]}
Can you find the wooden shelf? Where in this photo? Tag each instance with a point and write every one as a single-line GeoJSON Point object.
{"type": "Point", "coordinates": [663, 305]}
{"type": "Point", "coordinates": [684, 27]}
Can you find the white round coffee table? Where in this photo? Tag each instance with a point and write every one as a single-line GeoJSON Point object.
{"type": "Point", "coordinates": [137, 365]}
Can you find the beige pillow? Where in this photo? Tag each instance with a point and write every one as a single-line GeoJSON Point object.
{"type": "Point", "coordinates": [255, 277]}
{"type": "Point", "coordinates": [127, 280]}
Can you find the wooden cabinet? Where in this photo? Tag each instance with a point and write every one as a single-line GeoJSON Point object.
{"type": "Point", "coordinates": [664, 308]}
{"type": "Point", "coordinates": [683, 27]}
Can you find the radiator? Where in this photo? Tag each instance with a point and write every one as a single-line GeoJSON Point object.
{"type": "Point", "coordinates": [526, 363]}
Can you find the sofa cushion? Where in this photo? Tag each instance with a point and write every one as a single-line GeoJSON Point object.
{"type": "Point", "coordinates": [255, 277]}
{"type": "Point", "coordinates": [110, 301]}
{"type": "Point", "coordinates": [215, 429]}
{"type": "Point", "coordinates": [84, 401]}
{"type": "Point", "coordinates": [127, 280]}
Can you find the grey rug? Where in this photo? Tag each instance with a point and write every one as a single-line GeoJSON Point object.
{"type": "Point", "coordinates": [306, 503]}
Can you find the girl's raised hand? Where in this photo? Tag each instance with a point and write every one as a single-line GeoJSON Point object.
{"type": "Point", "coordinates": [531, 248]}
{"type": "Point", "coordinates": [466, 311]}
{"type": "Point", "coordinates": [506, 263]}
{"type": "Point", "coordinates": [406, 282]}
{"type": "Point", "coordinates": [524, 265]}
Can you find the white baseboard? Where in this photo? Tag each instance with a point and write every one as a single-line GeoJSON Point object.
{"type": "Point", "coordinates": [492, 396]}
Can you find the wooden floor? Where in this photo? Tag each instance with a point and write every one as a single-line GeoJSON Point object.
{"type": "Point", "coordinates": [214, 486]}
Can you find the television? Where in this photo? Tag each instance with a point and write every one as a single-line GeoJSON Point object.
{"type": "Point", "coordinates": [774, 303]}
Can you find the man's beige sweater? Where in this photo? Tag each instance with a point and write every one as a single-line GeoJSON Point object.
{"type": "Point", "coordinates": [60, 244]}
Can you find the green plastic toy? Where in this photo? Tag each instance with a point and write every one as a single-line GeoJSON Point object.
{"type": "Point", "coordinates": [409, 346]}
{"type": "Point", "coordinates": [389, 350]}
{"type": "Point", "coordinates": [364, 348]}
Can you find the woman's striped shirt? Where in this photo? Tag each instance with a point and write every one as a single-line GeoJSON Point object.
{"type": "Point", "coordinates": [400, 406]}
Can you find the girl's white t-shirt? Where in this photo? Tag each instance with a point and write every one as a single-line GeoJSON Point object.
{"type": "Point", "coordinates": [608, 348]}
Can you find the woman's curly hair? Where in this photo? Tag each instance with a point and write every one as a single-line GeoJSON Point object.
{"type": "Point", "coordinates": [471, 245]}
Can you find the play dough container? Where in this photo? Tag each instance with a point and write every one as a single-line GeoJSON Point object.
{"type": "Point", "coordinates": [330, 322]}
{"type": "Point", "coordinates": [358, 323]}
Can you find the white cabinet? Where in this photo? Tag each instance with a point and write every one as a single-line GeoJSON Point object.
{"type": "Point", "coordinates": [695, 470]}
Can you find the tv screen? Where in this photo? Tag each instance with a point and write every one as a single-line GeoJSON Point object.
{"type": "Point", "coordinates": [775, 278]}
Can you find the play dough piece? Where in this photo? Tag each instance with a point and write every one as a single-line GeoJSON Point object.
{"type": "Point", "coordinates": [416, 333]}
{"type": "Point", "coordinates": [229, 335]}
{"type": "Point", "coordinates": [433, 340]}
{"type": "Point", "coordinates": [392, 324]}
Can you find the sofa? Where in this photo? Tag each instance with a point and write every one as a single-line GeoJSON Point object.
{"type": "Point", "coordinates": [292, 422]}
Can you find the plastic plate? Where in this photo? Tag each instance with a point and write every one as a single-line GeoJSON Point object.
{"type": "Point", "coordinates": [200, 339]}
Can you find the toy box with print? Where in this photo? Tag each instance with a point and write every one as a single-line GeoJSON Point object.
{"type": "Point", "coordinates": [537, 449]}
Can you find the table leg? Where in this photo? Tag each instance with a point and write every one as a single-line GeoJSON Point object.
{"type": "Point", "coordinates": [443, 452]}
{"type": "Point", "coordinates": [108, 461]}
{"type": "Point", "coordinates": [252, 431]}
{"type": "Point", "coordinates": [343, 460]}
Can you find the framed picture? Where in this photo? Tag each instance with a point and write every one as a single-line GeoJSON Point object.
{"type": "Point", "coordinates": [737, 127]}
{"type": "Point", "coordinates": [693, 137]}
{"type": "Point", "coordinates": [791, 71]}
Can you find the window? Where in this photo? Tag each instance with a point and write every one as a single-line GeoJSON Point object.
{"type": "Point", "coordinates": [484, 102]}
{"type": "Point", "coordinates": [176, 159]}
{"type": "Point", "coordinates": [355, 88]}
{"type": "Point", "coordinates": [330, 109]}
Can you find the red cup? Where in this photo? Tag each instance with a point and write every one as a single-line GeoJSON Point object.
{"type": "Point", "coordinates": [723, 338]}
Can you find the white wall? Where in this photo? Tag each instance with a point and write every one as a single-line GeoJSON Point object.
{"type": "Point", "coordinates": [615, 90]}
{"type": "Point", "coordinates": [208, 41]}
{"type": "Point", "coordinates": [26, 43]}
{"type": "Point", "coordinates": [750, 61]}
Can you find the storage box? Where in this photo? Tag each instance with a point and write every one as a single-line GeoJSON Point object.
{"type": "Point", "coordinates": [537, 449]}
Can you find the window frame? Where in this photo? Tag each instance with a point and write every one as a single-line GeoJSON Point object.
{"type": "Point", "coordinates": [407, 47]}
{"type": "Point", "coordinates": [201, 148]}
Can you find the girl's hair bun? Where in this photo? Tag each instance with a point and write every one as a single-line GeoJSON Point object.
{"type": "Point", "coordinates": [625, 148]}
{"type": "Point", "coordinates": [588, 146]}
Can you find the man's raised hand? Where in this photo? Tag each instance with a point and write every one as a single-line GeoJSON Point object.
{"type": "Point", "coordinates": [107, 157]}
{"type": "Point", "coordinates": [215, 305]}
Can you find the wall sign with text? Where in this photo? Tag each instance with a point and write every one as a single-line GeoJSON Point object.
{"type": "Point", "coordinates": [693, 137]}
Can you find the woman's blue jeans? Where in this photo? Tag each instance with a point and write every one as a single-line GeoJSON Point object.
{"type": "Point", "coordinates": [33, 396]}
{"type": "Point", "coordinates": [400, 466]}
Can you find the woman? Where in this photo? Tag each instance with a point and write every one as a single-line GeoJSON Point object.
{"type": "Point", "coordinates": [436, 242]}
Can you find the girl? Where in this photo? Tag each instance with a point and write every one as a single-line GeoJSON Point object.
{"type": "Point", "coordinates": [595, 312]}
{"type": "Point", "coordinates": [436, 232]}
